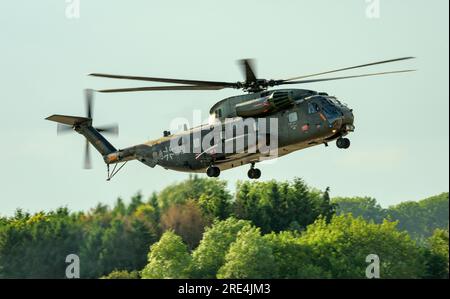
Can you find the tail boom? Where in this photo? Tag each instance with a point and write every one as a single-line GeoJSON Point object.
{"type": "Point", "coordinates": [83, 125]}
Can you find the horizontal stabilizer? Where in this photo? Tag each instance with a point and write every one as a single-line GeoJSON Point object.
{"type": "Point", "coordinates": [68, 120]}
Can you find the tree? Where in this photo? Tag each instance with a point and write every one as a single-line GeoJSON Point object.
{"type": "Point", "coordinates": [120, 209]}
{"type": "Point", "coordinates": [186, 220]}
{"type": "Point", "coordinates": [216, 205]}
{"type": "Point", "coordinates": [214, 199]}
{"type": "Point", "coordinates": [421, 218]}
{"type": "Point", "coordinates": [293, 259]}
{"type": "Point", "coordinates": [124, 245]}
{"type": "Point", "coordinates": [326, 208]}
{"type": "Point", "coordinates": [168, 258]}
{"type": "Point", "coordinates": [342, 246]}
{"type": "Point", "coordinates": [365, 207]}
{"type": "Point", "coordinates": [117, 238]}
{"type": "Point", "coordinates": [276, 206]}
{"type": "Point", "coordinates": [304, 201]}
{"type": "Point", "coordinates": [436, 255]}
{"type": "Point", "coordinates": [209, 256]}
{"type": "Point", "coordinates": [411, 217]}
{"type": "Point", "coordinates": [90, 250]}
{"type": "Point", "coordinates": [122, 274]}
{"type": "Point", "coordinates": [153, 202]}
{"type": "Point", "coordinates": [302, 238]}
{"type": "Point", "coordinates": [149, 216]}
{"type": "Point", "coordinates": [249, 257]}
{"type": "Point", "coordinates": [36, 246]}
{"type": "Point", "coordinates": [136, 202]}
{"type": "Point", "coordinates": [246, 204]}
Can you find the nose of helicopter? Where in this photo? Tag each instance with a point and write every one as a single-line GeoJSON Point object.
{"type": "Point", "coordinates": [348, 120]}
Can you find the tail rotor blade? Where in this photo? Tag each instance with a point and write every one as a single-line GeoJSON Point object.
{"type": "Point", "coordinates": [87, 156]}
{"type": "Point", "coordinates": [63, 129]}
{"type": "Point", "coordinates": [89, 98]}
{"type": "Point", "coordinates": [110, 129]}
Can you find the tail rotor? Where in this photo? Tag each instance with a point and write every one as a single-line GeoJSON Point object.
{"type": "Point", "coordinates": [63, 129]}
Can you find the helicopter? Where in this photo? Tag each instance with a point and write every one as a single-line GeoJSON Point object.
{"type": "Point", "coordinates": [245, 129]}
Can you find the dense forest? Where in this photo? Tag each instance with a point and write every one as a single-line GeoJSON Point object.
{"type": "Point", "coordinates": [199, 229]}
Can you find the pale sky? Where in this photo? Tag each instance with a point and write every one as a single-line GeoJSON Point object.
{"type": "Point", "coordinates": [399, 150]}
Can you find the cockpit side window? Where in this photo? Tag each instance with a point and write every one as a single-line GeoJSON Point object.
{"type": "Point", "coordinates": [313, 108]}
{"type": "Point", "coordinates": [218, 113]}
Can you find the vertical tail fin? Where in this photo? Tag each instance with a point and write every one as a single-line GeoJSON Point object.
{"type": "Point", "coordinates": [83, 125]}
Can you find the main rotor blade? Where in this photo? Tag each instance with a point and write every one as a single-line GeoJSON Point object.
{"type": "Point", "coordinates": [340, 78]}
{"type": "Point", "coordinates": [350, 68]}
{"type": "Point", "coordinates": [87, 156]}
{"type": "Point", "coordinates": [88, 96]}
{"type": "Point", "coordinates": [62, 129]}
{"type": "Point", "coordinates": [248, 69]}
{"type": "Point", "coordinates": [166, 80]}
{"type": "Point", "coordinates": [159, 88]}
{"type": "Point", "coordinates": [110, 129]}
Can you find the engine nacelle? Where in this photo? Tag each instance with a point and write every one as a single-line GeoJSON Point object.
{"type": "Point", "coordinates": [258, 107]}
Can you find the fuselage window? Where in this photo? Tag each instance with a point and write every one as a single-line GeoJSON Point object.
{"type": "Point", "coordinates": [293, 117]}
{"type": "Point", "coordinates": [313, 108]}
{"type": "Point", "coordinates": [196, 142]}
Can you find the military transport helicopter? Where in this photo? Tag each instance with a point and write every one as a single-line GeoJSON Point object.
{"type": "Point", "coordinates": [304, 118]}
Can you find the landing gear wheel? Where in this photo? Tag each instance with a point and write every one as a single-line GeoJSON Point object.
{"type": "Point", "coordinates": [254, 173]}
{"type": "Point", "coordinates": [346, 143]}
{"type": "Point", "coordinates": [343, 143]}
{"type": "Point", "coordinates": [213, 172]}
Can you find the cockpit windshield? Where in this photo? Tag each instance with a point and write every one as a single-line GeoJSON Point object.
{"type": "Point", "coordinates": [334, 100]}
{"type": "Point", "coordinates": [329, 107]}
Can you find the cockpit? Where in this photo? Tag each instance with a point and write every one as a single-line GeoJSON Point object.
{"type": "Point", "coordinates": [330, 106]}
{"type": "Point", "coordinates": [332, 109]}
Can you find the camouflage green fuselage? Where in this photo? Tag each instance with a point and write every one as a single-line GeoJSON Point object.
{"type": "Point", "coordinates": [304, 118]}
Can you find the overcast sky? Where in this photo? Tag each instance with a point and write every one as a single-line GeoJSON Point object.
{"type": "Point", "coordinates": [399, 150]}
